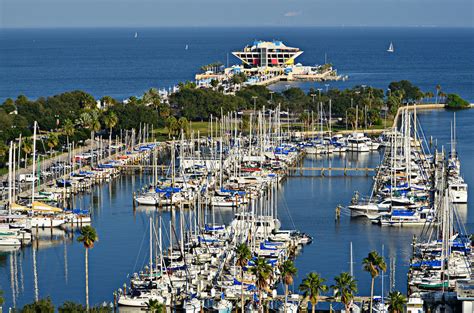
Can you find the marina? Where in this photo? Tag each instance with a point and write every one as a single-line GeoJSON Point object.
{"type": "Point", "coordinates": [209, 219]}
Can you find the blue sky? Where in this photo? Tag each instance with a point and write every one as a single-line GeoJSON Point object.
{"type": "Point", "coordinates": [149, 13]}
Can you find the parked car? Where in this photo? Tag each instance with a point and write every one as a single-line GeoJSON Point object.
{"type": "Point", "coordinates": [27, 178]}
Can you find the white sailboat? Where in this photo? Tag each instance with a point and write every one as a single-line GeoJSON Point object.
{"type": "Point", "coordinates": [136, 35]}
{"type": "Point", "coordinates": [390, 47]}
{"type": "Point", "coordinates": [186, 48]}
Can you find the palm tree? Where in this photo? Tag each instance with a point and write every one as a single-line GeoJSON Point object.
{"type": "Point", "coordinates": [345, 287]}
{"type": "Point", "coordinates": [90, 120]}
{"type": "Point", "coordinates": [151, 96]}
{"type": "Point", "coordinates": [396, 302]}
{"type": "Point", "coordinates": [373, 264]}
{"type": "Point", "coordinates": [438, 89]}
{"type": "Point", "coordinates": [170, 124]}
{"type": "Point", "coordinates": [164, 110]}
{"type": "Point", "coordinates": [88, 237]}
{"type": "Point", "coordinates": [27, 148]}
{"type": "Point", "coordinates": [110, 121]}
{"type": "Point", "coordinates": [52, 141]}
{"type": "Point", "coordinates": [68, 129]}
{"type": "Point", "coordinates": [107, 101]}
{"type": "Point", "coordinates": [288, 272]}
{"type": "Point", "coordinates": [429, 95]}
{"type": "Point", "coordinates": [154, 306]}
{"type": "Point", "coordinates": [305, 118]}
{"type": "Point", "coordinates": [442, 95]}
{"type": "Point", "coordinates": [243, 254]}
{"type": "Point", "coordinates": [312, 286]}
{"type": "Point", "coordinates": [262, 271]}
{"type": "Point", "coordinates": [183, 124]}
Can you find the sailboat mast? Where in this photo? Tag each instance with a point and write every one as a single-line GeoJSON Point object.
{"type": "Point", "coordinates": [33, 166]}
{"type": "Point", "coordinates": [10, 184]}
{"type": "Point", "coordinates": [151, 247]}
{"type": "Point", "coordinates": [351, 262]}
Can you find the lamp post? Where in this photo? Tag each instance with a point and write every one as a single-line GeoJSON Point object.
{"type": "Point", "coordinates": [320, 89]}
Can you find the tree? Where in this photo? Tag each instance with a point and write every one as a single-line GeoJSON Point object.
{"type": "Point", "coordinates": [68, 129]}
{"type": "Point", "coordinates": [288, 272]}
{"type": "Point", "coordinates": [183, 124]}
{"type": "Point", "coordinates": [3, 149]}
{"type": "Point", "coordinates": [170, 124]}
{"type": "Point", "coordinates": [438, 89]}
{"type": "Point", "coordinates": [454, 101]}
{"type": "Point", "coordinates": [396, 302]}
{"type": "Point", "coordinates": [262, 271]}
{"type": "Point", "coordinates": [345, 286]}
{"type": "Point", "coordinates": [164, 110]}
{"type": "Point", "coordinates": [239, 78]}
{"type": "Point", "coordinates": [374, 264]}
{"type": "Point", "coordinates": [312, 286]}
{"type": "Point", "coordinates": [110, 121]}
{"type": "Point", "coordinates": [351, 115]}
{"type": "Point", "coordinates": [305, 118]}
{"type": "Point", "coordinates": [52, 141]}
{"type": "Point", "coordinates": [40, 306]}
{"type": "Point", "coordinates": [154, 306]}
{"type": "Point", "coordinates": [151, 97]}
{"type": "Point", "coordinates": [429, 95]}
{"type": "Point", "coordinates": [88, 237]}
{"type": "Point", "coordinates": [245, 123]}
{"type": "Point", "coordinates": [27, 148]}
{"type": "Point", "coordinates": [243, 255]}
{"type": "Point", "coordinates": [107, 101]}
{"type": "Point", "coordinates": [100, 309]}
{"type": "Point", "coordinates": [90, 120]}
{"type": "Point", "coordinates": [71, 307]}
{"type": "Point", "coordinates": [214, 83]}
{"type": "Point", "coordinates": [410, 91]}
{"type": "Point", "coordinates": [2, 300]}
{"type": "Point", "coordinates": [442, 96]}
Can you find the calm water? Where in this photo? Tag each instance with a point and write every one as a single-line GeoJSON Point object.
{"type": "Point", "coordinates": [111, 62]}
{"type": "Point", "coordinates": [304, 203]}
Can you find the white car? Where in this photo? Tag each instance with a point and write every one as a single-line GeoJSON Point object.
{"type": "Point", "coordinates": [27, 178]}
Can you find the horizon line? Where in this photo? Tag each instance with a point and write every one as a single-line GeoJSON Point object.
{"type": "Point", "coordinates": [233, 26]}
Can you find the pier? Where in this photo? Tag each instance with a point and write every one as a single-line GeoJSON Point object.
{"type": "Point", "coordinates": [327, 171]}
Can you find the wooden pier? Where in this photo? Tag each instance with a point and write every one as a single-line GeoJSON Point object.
{"type": "Point", "coordinates": [327, 171]}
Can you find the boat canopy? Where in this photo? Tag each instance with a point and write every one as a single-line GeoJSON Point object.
{"type": "Point", "coordinates": [209, 228]}
{"type": "Point", "coordinates": [167, 189]}
{"type": "Point", "coordinates": [432, 263]}
{"type": "Point", "coordinates": [403, 213]}
{"type": "Point", "coordinates": [43, 207]}
{"type": "Point", "coordinates": [233, 192]}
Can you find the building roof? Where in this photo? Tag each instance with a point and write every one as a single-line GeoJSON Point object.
{"type": "Point", "coordinates": [275, 44]}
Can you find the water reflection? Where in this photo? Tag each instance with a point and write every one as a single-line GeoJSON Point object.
{"type": "Point", "coordinates": [55, 266]}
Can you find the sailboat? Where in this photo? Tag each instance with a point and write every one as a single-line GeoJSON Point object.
{"type": "Point", "coordinates": [136, 35]}
{"type": "Point", "coordinates": [186, 48]}
{"type": "Point", "coordinates": [390, 47]}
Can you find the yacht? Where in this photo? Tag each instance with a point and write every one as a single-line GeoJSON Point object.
{"type": "Point", "coordinates": [357, 142]}
{"type": "Point", "coordinates": [458, 190]}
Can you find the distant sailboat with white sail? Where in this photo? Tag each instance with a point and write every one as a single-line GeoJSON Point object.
{"type": "Point", "coordinates": [186, 48]}
{"type": "Point", "coordinates": [390, 47]}
{"type": "Point", "coordinates": [136, 35]}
